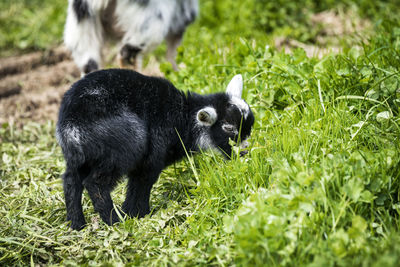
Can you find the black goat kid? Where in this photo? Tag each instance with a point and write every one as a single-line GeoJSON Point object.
{"type": "Point", "coordinates": [118, 122]}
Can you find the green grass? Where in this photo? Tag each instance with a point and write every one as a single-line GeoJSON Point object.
{"type": "Point", "coordinates": [27, 25]}
{"type": "Point", "coordinates": [320, 185]}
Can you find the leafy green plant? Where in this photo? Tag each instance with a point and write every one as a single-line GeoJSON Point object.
{"type": "Point", "coordinates": [29, 25]}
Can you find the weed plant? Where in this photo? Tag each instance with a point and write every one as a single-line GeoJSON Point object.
{"type": "Point", "coordinates": [319, 187]}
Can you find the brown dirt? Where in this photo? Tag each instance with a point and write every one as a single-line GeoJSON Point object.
{"type": "Point", "coordinates": [32, 85]}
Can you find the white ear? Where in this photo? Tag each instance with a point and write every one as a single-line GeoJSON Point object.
{"type": "Point", "coordinates": [235, 86]}
{"type": "Point", "coordinates": [207, 116]}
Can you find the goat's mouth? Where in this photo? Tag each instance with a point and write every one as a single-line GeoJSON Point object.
{"type": "Point", "coordinates": [126, 61]}
{"type": "Point", "coordinates": [239, 148]}
{"type": "Point", "coordinates": [127, 55]}
{"type": "Point", "coordinates": [243, 145]}
{"type": "Point", "coordinates": [243, 153]}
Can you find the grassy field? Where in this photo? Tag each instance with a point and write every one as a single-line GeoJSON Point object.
{"type": "Point", "coordinates": [319, 187]}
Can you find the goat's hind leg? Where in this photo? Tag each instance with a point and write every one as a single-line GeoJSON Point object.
{"type": "Point", "coordinates": [73, 188]}
{"type": "Point", "coordinates": [99, 192]}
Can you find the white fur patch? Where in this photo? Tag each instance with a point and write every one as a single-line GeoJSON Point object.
{"type": "Point", "coordinates": [211, 114]}
{"type": "Point", "coordinates": [235, 86]}
{"type": "Point", "coordinates": [147, 26]}
{"type": "Point", "coordinates": [83, 39]}
{"type": "Point", "coordinates": [94, 91]}
{"type": "Point", "coordinates": [58, 136]}
{"type": "Point", "coordinates": [244, 144]}
{"type": "Point", "coordinates": [242, 106]}
{"type": "Point", "coordinates": [144, 26]}
{"type": "Point", "coordinates": [234, 90]}
{"type": "Point", "coordinates": [230, 128]}
{"type": "Point", "coordinates": [68, 134]}
{"type": "Point", "coordinates": [72, 134]}
{"type": "Point", "coordinates": [204, 141]}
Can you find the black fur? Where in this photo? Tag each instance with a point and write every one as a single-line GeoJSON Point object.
{"type": "Point", "coordinates": [116, 122]}
{"type": "Point", "coordinates": [81, 9]}
{"type": "Point", "coordinates": [90, 66]}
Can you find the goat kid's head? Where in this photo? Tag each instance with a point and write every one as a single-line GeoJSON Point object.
{"type": "Point", "coordinates": [228, 118]}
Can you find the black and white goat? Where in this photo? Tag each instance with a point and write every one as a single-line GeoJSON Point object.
{"type": "Point", "coordinates": [141, 25]}
{"type": "Point", "coordinates": [118, 122]}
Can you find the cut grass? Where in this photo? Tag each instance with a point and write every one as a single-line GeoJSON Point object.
{"type": "Point", "coordinates": [320, 185]}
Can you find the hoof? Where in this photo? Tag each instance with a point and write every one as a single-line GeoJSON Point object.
{"type": "Point", "coordinates": [79, 225]}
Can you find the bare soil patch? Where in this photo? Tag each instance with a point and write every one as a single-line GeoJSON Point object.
{"type": "Point", "coordinates": [32, 85]}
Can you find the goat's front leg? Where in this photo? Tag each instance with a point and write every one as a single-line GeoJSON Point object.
{"type": "Point", "coordinates": [173, 42]}
{"type": "Point", "coordinates": [137, 199]}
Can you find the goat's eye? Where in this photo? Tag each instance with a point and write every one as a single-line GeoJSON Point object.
{"type": "Point", "coordinates": [229, 128]}
{"type": "Point", "coordinates": [229, 106]}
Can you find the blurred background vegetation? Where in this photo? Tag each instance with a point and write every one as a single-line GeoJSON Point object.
{"type": "Point", "coordinates": [27, 25]}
